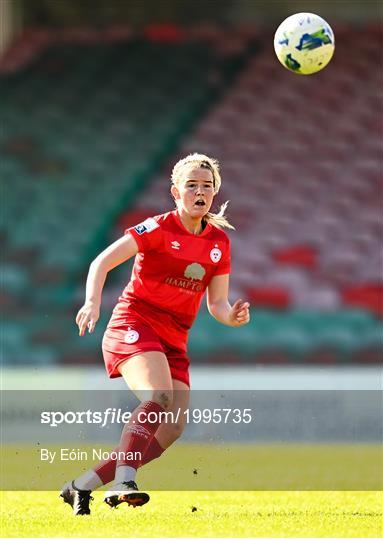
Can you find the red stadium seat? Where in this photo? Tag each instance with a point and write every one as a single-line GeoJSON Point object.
{"type": "Point", "coordinates": [165, 33]}
{"type": "Point", "coordinates": [304, 256]}
{"type": "Point", "coordinates": [271, 297]}
{"type": "Point", "coordinates": [369, 296]}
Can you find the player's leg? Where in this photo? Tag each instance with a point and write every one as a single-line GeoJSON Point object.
{"type": "Point", "coordinates": [116, 350]}
{"type": "Point", "coordinates": [165, 436]}
{"type": "Point", "coordinates": [168, 432]}
{"type": "Point", "coordinates": [148, 376]}
{"type": "Point", "coordinates": [78, 493]}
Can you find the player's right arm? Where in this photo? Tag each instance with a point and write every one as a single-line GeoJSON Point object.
{"type": "Point", "coordinates": [120, 251]}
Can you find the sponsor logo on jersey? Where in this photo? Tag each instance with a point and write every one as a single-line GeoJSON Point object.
{"type": "Point", "coordinates": [175, 244]}
{"type": "Point", "coordinates": [131, 336]}
{"type": "Point", "coordinates": [146, 226]}
{"type": "Point", "coordinates": [195, 271]}
{"type": "Point", "coordinates": [192, 281]}
{"type": "Point", "coordinates": [215, 254]}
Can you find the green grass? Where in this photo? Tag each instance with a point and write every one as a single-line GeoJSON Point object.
{"type": "Point", "coordinates": [222, 514]}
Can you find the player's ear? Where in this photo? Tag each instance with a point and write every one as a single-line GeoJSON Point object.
{"type": "Point", "coordinates": [175, 192]}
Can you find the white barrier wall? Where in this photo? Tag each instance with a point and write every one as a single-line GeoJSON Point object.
{"type": "Point", "coordinates": [205, 378]}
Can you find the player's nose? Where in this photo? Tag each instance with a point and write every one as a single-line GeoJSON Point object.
{"type": "Point", "coordinates": [200, 190]}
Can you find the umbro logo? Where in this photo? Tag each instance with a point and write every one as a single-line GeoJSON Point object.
{"type": "Point", "coordinates": [175, 244]}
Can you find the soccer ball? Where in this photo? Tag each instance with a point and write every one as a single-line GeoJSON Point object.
{"type": "Point", "coordinates": [304, 43]}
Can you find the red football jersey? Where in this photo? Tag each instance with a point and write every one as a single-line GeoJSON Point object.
{"type": "Point", "coordinates": [170, 274]}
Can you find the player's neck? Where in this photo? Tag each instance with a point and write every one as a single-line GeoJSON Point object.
{"type": "Point", "coordinates": [194, 226]}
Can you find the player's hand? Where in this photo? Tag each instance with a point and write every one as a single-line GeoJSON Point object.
{"type": "Point", "coordinates": [87, 318]}
{"type": "Point", "coordinates": [239, 313]}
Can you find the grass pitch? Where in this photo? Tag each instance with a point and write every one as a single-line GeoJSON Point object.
{"type": "Point", "coordinates": [205, 513]}
{"type": "Point", "coordinates": [199, 514]}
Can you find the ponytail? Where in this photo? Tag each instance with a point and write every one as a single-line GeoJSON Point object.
{"type": "Point", "coordinates": [219, 220]}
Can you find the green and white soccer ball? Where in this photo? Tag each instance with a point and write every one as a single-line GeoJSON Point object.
{"type": "Point", "coordinates": [304, 43]}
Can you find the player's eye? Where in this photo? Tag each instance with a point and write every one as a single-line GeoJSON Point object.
{"type": "Point", "coordinates": [194, 184]}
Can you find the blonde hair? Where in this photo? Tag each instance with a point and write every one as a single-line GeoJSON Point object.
{"type": "Point", "coordinates": [203, 162]}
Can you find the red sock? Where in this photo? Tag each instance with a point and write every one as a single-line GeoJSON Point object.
{"type": "Point", "coordinates": [139, 432]}
{"type": "Point", "coordinates": [154, 451]}
{"type": "Point", "coordinates": [106, 470]}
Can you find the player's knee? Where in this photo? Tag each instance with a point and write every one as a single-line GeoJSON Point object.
{"type": "Point", "coordinates": [164, 398]}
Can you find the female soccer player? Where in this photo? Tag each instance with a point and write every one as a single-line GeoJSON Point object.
{"type": "Point", "coordinates": [179, 255]}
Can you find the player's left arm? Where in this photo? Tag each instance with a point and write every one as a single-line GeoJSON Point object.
{"type": "Point", "coordinates": [219, 306]}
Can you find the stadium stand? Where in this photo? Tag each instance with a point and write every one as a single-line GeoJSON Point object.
{"type": "Point", "coordinates": [85, 135]}
{"type": "Point", "coordinates": [84, 132]}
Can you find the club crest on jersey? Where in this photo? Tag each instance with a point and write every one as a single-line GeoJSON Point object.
{"type": "Point", "coordinates": [215, 254]}
{"type": "Point", "coordinates": [131, 336]}
{"type": "Point", "coordinates": [146, 226]}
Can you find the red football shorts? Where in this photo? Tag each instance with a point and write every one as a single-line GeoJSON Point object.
{"type": "Point", "coordinates": [124, 341]}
